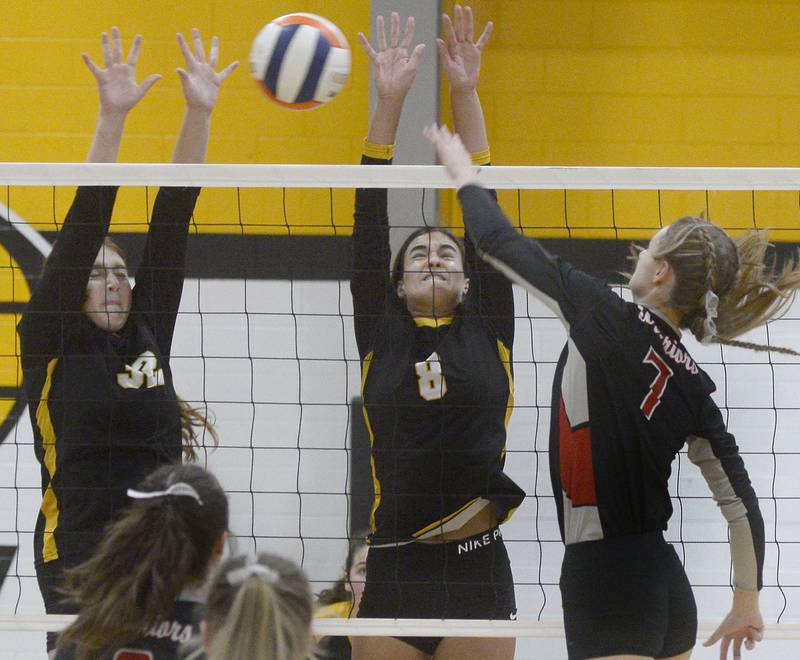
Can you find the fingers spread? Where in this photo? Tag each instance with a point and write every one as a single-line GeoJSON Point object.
{"type": "Point", "coordinates": [380, 33]}
{"type": "Point", "coordinates": [228, 70]}
{"type": "Point", "coordinates": [90, 65]}
{"type": "Point", "coordinates": [133, 57]}
{"type": "Point", "coordinates": [187, 54]}
{"type": "Point", "coordinates": [394, 34]}
{"type": "Point", "coordinates": [368, 49]}
{"type": "Point", "coordinates": [213, 54]}
{"type": "Point", "coordinates": [449, 30]}
{"type": "Point", "coordinates": [409, 33]}
{"type": "Point", "coordinates": [484, 38]}
{"type": "Point", "coordinates": [199, 52]}
{"type": "Point", "coordinates": [116, 45]}
{"type": "Point", "coordinates": [106, 49]}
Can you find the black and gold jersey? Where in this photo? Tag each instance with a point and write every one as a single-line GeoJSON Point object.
{"type": "Point", "coordinates": [102, 405]}
{"type": "Point", "coordinates": [437, 392]}
{"type": "Point", "coordinates": [627, 396]}
{"type": "Point", "coordinates": [164, 639]}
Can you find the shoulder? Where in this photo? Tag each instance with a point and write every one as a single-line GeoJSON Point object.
{"type": "Point", "coordinates": [339, 610]}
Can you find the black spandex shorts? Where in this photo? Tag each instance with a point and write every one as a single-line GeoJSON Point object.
{"type": "Point", "coordinates": [626, 595]}
{"type": "Point", "coordinates": [50, 577]}
{"type": "Point", "coordinates": [466, 579]}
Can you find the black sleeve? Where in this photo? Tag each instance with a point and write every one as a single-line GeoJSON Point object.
{"type": "Point", "coordinates": [369, 281]}
{"type": "Point", "coordinates": [58, 297]}
{"type": "Point", "coordinates": [569, 292]}
{"type": "Point", "coordinates": [492, 291]}
{"type": "Point", "coordinates": [159, 278]}
{"type": "Point", "coordinates": [715, 452]}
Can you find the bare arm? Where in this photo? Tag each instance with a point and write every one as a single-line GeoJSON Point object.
{"type": "Point", "coordinates": [119, 93]}
{"type": "Point", "coordinates": [200, 83]}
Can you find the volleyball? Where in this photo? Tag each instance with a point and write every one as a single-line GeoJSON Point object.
{"type": "Point", "coordinates": [300, 61]}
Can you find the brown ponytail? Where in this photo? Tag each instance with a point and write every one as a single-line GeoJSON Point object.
{"type": "Point", "coordinates": [192, 419]}
{"type": "Point", "coordinates": [158, 547]}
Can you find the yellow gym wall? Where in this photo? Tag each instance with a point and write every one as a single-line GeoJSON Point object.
{"type": "Point", "coordinates": [635, 82]}
{"type": "Point", "coordinates": [566, 82]}
{"type": "Point", "coordinates": [49, 104]}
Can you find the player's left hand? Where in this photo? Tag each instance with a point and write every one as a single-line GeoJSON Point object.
{"type": "Point", "coordinates": [741, 625]}
{"type": "Point", "coordinates": [452, 154]}
{"type": "Point", "coordinates": [461, 57]}
{"type": "Point", "coordinates": [199, 80]}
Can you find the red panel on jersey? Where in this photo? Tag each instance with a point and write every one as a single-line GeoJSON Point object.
{"type": "Point", "coordinates": [577, 471]}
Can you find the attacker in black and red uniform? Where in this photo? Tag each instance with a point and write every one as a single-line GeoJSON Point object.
{"type": "Point", "coordinates": [627, 396]}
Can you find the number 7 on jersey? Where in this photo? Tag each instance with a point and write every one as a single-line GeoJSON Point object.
{"type": "Point", "coordinates": [659, 384]}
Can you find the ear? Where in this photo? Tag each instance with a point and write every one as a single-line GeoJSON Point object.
{"type": "Point", "coordinates": [347, 587]}
{"type": "Point", "coordinates": [466, 287]}
{"type": "Point", "coordinates": [401, 289]}
{"type": "Point", "coordinates": [664, 273]}
{"type": "Point", "coordinates": [219, 545]}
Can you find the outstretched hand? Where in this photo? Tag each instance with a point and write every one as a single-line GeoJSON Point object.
{"type": "Point", "coordinates": [739, 626]}
{"type": "Point", "coordinates": [452, 154]}
{"type": "Point", "coordinates": [395, 69]}
{"type": "Point", "coordinates": [461, 57]}
{"type": "Point", "coordinates": [199, 80]}
{"type": "Point", "coordinates": [116, 81]}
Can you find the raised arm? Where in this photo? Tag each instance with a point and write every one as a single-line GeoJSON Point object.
{"type": "Point", "coordinates": [567, 291]}
{"type": "Point", "coordinates": [58, 297]}
{"type": "Point", "coordinates": [461, 61]}
{"type": "Point", "coordinates": [394, 70]}
{"type": "Point", "coordinates": [159, 278]}
{"type": "Point", "coordinates": [716, 454]}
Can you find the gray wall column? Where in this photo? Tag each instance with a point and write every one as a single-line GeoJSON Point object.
{"type": "Point", "coordinates": [406, 207]}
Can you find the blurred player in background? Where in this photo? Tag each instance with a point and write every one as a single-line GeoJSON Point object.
{"type": "Point", "coordinates": [95, 352]}
{"type": "Point", "coordinates": [343, 599]}
{"type": "Point", "coordinates": [435, 341]}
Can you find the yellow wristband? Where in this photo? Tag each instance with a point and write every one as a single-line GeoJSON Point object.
{"type": "Point", "coordinates": [381, 151]}
{"type": "Point", "coordinates": [481, 157]}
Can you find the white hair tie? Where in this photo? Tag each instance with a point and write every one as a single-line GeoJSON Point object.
{"type": "Point", "coordinates": [180, 489]}
{"type": "Point", "coordinates": [711, 303]}
{"type": "Point", "coordinates": [237, 576]}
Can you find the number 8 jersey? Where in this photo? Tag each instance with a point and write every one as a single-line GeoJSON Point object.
{"type": "Point", "coordinates": [437, 392]}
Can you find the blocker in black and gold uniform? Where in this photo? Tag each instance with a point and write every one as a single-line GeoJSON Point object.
{"type": "Point", "coordinates": [102, 405]}
{"type": "Point", "coordinates": [435, 341]}
{"type": "Point", "coordinates": [95, 354]}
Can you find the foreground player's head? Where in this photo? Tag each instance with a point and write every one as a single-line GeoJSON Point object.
{"type": "Point", "coordinates": [716, 286]}
{"type": "Point", "coordinates": [429, 273]}
{"type": "Point", "coordinates": [108, 291]}
{"type": "Point", "coordinates": [258, 608]}
{"type": "Point", "coordinates": [168, 539]}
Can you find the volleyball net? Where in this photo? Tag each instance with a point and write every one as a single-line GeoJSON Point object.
{"type": "Point", "coordinates": [265, 342]}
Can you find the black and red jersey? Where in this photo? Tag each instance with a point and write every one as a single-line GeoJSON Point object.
{"type": "Point", "coordinates": [437, 392]}
{"type": "Point", "coordinates": [102, 406]}
{"type": "Point", "coordinates": [627, 396]}
{"type": "Point", "coordinates": [164, 640]}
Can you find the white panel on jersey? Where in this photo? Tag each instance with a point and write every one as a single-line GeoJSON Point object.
{"type": "Point", "coordinates": [581, 523]}
{"type": "Point", "coordinates": [291, 78]}
{"type": "Point", "coordinates": [573, 387]}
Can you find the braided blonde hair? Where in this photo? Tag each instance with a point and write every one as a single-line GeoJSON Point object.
{"type": "Point", "coordinates": [751, 288]}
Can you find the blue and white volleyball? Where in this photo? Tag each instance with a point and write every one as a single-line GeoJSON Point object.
{"type": "Point", "coordinates": [300, 60]}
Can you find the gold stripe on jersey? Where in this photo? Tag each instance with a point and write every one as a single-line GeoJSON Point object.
{"type": "Point", "coordinates": [432, 322]}
{"type": "Point", "coordinates": [376, 485]}
{"type": "Point", "coordinates": [49, 500]}
{"type": "Point", "coordinates": [505, 359]}
{"type": "Point", "coordinates": [443, 521]}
